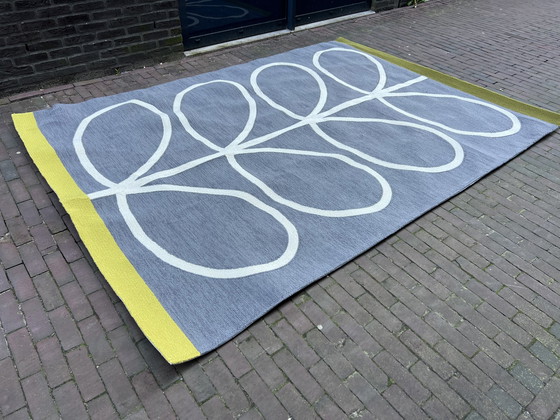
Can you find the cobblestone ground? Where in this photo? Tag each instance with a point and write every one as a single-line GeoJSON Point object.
{"type": "Point", "coordinates": [455, 316]}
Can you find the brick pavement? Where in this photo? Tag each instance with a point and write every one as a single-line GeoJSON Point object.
{"type": "Point", "coordinates": [455, 316]}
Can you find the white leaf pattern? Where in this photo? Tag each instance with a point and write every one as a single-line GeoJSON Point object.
{"type": "Point", "coordinates": [241, 144]}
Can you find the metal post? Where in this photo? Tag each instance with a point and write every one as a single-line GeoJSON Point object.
{"type": "Point", "coordinates": [291, 15]}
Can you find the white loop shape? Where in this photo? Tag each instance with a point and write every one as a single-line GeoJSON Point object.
{"type": "Point", "coordinates": [515, 123]}
{"type": "Point", "coordinates": [88, 165]}
{"type": "Point", "coordinates": [384, 200]}
{"type": "Point", "coordinates": [139, 183]}
{"type": "Point", "coordinates": [457, 148]}
{"type": "Point", "coordinates": [381, 71]}
{"type": "Point", "coordinates": [320, 83]}
{"type": "Point", "coordinates": [228, 273]}
{"type": "Point", "coordinates": [188, 127]}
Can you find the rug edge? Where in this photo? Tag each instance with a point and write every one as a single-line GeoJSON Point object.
{"type": "Point", "coordinates": [454, 82]}
{"type": "Point", "coordinates": [173, 344]}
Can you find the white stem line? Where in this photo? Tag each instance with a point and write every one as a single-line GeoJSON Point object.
{"type": "Point", "coordinates": [313, 119]}
{"type": "Point", "coordinates": [234, 148]}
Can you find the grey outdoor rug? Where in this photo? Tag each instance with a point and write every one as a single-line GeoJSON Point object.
{"type": "Point", "coordinates": [207, 201]}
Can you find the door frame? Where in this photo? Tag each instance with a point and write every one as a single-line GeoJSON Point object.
{"type": "Point", "coordinates": [290, 22]}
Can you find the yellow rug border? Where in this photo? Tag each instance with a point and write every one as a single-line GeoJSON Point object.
{"type": "Point", "coordinates": [475, 90]}
{"type": "Point", "coordinates": [156, 323]}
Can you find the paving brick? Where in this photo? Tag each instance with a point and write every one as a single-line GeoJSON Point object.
{"type": "Point", "coordinates": [104, 308]}
{"type": "Point", "coordinates": [505, 402]}
{"type": "Point", "coordinates": [391, 344]}
{"type": "Point", "coordinates": [324, 300]}
{"type": "Point", "coordinates": [4, 351]}
{"type": "Point", "coordinates": [416, 324]}
{"type": "Point", "coordinates": [96, 340]}
{"type": "Point", "coordinates": [18, 190]}
{"type": "Point", "coordinates": [327, 409]}
{"type": "Point", "coordinates": [23, 352]}
{"type": "Point", "coordinates": [349, 304]}
{"type": "Point", "coordinates": [402, 377]}
{"type": "Point", "coordinates": [262, 397]}
{"type": "Point", "coordinates": [483, 342]}
{"type": "Point", "coordinates": [4, 284]}
{"type": "Point", "coordinates": [42, 237]}
{"type": "Point", "coordinates": [545, 355]}
{"type": "Point", "coordinates": [38, 396]}
{"type": "Point", "coordinates": [118, 387]}
{"type": "Point", "coordinates": [39, 195]}
{"type": "Point", "coordinates": [266, 338]}
{"type": "Point", "coordinates": [38, 322]}
{"type": "Point", "coordinates": [19, 231]}
{"type": "Point", "coordinates": [198, 382]}
{"type": "Point", "coordinates": [9, 254]}
{"type": "Point", "coordinates": [183, 403]}
{"type": "Point", "coordinates": [21, 283]}
{"type": "Point", "coordinates": [449, 398]}
{"type": "Point", "coordinates": [59, 268]}
{"type": "Point", "coordinates": [52, 219]}
{"type": "Point", "coordinates": [403, 404]}
{"type": "Point", "coordinates": [10, 315]}
{"type": "Point", "coordinates": [527, 378]}
{"type": "Point", "coordinates": [8, 207]}
{"type": "Point", "coordinates": [295, 317]}
{"type": "Point", "coordinates": [522, 355]}
{"type": "Point", "coordinates": [153, 399]}
{"type": "Point", "coordinates": [225, 384]}
{"type": "Point", "coordinates": [298, 375]}
{"type": "Point", "coordinates": [69, 402]}
{"type": "Point", "coordinates": [323, 321]}
{"type": "Point", "coordinates": [373, 287]}
{"type": "Point", "coordinates": [215, 408]}
{"type": "Point", "coordinates": [22, 414]}
{"type": "Point", "coordinates": [11, 397]}
{"type": "Point", "coordinates": [375, 403]}
{"type": "Point", "coordinates": [68, 246]}
{"type": "Point", "coordinates": [365, 366]}
{"type": "Point", "coordinates": [547, 402]}
{"type": "Point", "coordinates": [269, 372]}
{"type": "Point", "coordinates": [127, 352]}
{"type": "Point", "coordinates": [480, 401]}
{"type": "Point", "coordinates": [65, 328]}
{"type": "Point", "coordinates": [330, 353]}
{"type": "Point", "coordinates": [49, 291]}
{"type": "Point", "coordinates": [503, 378]}
{"type": "Point", "coordinates": [537, 331]}
{"type": "Point", "coordinates": [357, 333]}
{"type": "Point", "coordinates": [76, 300]}
{"type": "Point", "coordinates": [53, 361]}
{"type": "Point", "coordinates": [380, 313]}
{"type": "Point", "coordinates": [29, 213]}
{"type": "Point", "coordinates": [295, 343]}
{"type": "Point", "coordinates": [139, 414]}
{"type": "Point", "coordinates": [464, 366]}
{"type": "Point", "coordinates": [85, 373]}
{"type": "Point", "coordinates": [436, 410]}
{"type": "Point", "coordinates": [101, 408]}
{"type": "Point", "coordinates": [164, 373]}
{"type": "Point", "coordinates": [294, 403]}
{"type": "Point", "coordinates": [252, 414]}
{"type": "Point", "coordinates": [337, 391]}
{"type": "Point", "coordinates": [32, 259]}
